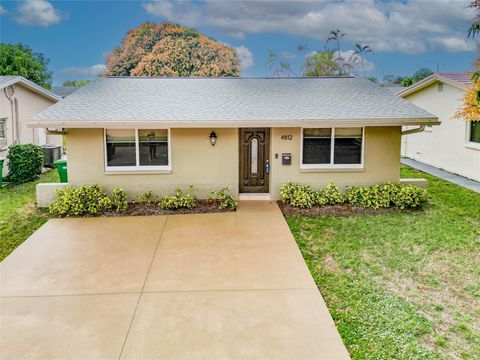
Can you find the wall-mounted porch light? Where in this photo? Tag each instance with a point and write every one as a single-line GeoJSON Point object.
{"type": "Point", "coordinates": [213, 138]}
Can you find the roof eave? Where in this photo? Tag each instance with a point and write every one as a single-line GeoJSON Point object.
{"type": "Point", "coordinates": [33, 87]}
{"type": "Point", "coordinates": [71, 124]}
{"type": "Point", "coordinates": [432, 79]}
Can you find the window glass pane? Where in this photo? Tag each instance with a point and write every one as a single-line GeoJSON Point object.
{"type": "Point", "coordinates": [316, 146]}
{"type": "Point", "coordinates": [153, 146]}
{"type": "Point", "coordinates": [348, 146]}
{"type": "Point", "coordinates": [475, 131]}
{"type": "Point", "coordinates": [254, 156]}
{"type": "Point", "coordinates": [121, 147]}
{"type": "Point", "coordinates": [2, 129]}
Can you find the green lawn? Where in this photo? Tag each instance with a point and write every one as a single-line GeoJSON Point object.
{"type": "Point", "coordinates": [401, 285]}
{"type": "Point", "coordinates": [19, 217]}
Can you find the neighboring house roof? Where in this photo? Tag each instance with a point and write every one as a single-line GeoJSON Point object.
{"type": "Point", "coordinates": [394, 89]}
{"type": "Point", "coordinates": [459, 80]}
{"type": "Point", "coordinates": [231, 102]}
{"type": "Point", "coordinates": [15, 79]}
{"type": "Point", "coordinates": [64, 91]}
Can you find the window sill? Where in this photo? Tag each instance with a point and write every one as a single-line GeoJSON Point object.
{"type": "Point", "coordinates": [473, 145]}
{"type": "Point", "coordinates": [138, 172]}
{"type": "Point", "coordinates": [331, 170]}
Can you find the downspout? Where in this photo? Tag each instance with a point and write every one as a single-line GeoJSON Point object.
{"type": "Point", "coordinates": [421, 128]}
{"type": "Point", "coordinates": [10, 94]}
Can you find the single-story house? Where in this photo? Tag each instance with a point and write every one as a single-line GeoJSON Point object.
{"type": "Point", "coordinates": [249, 134]}
{"type": "Point", "coordinates": [455, 145]}
{"type": "Point", "coordinates": [20, 100]}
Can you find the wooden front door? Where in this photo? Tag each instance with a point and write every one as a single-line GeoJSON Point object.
{"type": "Point", "coordinates": [254, 160]}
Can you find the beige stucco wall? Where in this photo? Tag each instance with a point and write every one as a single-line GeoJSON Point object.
{"type": "Point", "coordinates": [29, 104]}
{"type": "Point", "coordinates": [381, 161]}
{"type": "Point", "coordinates": [194, 162]}
{"type": "Point", "coordinates": [444, 146]}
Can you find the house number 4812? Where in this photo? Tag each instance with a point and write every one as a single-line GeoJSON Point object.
{"type": "Point", "coordinates": [286, 137]}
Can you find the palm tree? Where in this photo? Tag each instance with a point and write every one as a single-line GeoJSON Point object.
{"type": "Point", "coordinates": [360, 50]}
{"type": "Point", "coordinates": [337, 35]}
{"type": "Point", "coordinates": [321, 64]}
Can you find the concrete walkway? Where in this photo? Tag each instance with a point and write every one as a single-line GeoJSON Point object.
{"type": "Point", "coordinates": [210, 286]}
{"type": "Point", "coordinates": [442, 174]}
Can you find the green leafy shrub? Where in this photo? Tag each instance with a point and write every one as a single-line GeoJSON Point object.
{"type": "Point", "coordinates": [177, 201]}
{"type": "Point", "coordinates": [25, 162]}
{"type": "Point", "coordinates": [302, 196]}
{"type": "Point", "coordinates": [387, 195]}
{"type": "Point", "coordinates": [377, 196]}
{"type": "Point", "coordinates": [223, 198]}
{"type": "Point", "coordinates": [409, 197]}
{"type": "Point", "coordinates": [83, 200]}
{"type": "Point", "coordinates": [331, 195]}
{"type": "Point", "coordinates": [119, 200]}
{"type": "Point", "coordinates": [147, 198]}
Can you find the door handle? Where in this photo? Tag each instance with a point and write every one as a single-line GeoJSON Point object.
{"type": "Point", "coordinates": [267, 167]}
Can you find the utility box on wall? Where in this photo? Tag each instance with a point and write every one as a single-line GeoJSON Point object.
{"type": "Point", "coordinates": [286, 159]}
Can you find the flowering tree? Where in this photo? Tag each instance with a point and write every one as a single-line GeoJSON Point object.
{"type": "Point", "coordinates": [471, 100]}
{"type": "Point", "coordinates": [171, 50]}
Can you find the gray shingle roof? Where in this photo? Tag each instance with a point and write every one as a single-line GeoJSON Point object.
{"type": "Point", "coordinates": [229, 101]}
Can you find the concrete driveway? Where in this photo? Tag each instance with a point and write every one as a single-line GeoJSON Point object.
{"type": "Point", "coordinates": [210, 286]}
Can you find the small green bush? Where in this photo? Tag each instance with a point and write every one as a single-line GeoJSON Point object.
{"type": "Point", "coordinates": [147, 198]}
{"type": "Point", "coordinates": [177, 201]}
{"type": "Point", "coordinates": [25, 162]}
{"type": "Point", "coordinates": [119, 200]}
{"type": "Point", "coordinates": [84, 200]}
{"type": "Point", "coordinates": [302, 196]}
{"type": "Point", "coordinates": [387, 195]}
{"type": "Point", "coordinates": [377, 196]}
{"type": "Point", "coordinates": [331, 195]}
{"type": "Point", "coordinates": [223, 198]}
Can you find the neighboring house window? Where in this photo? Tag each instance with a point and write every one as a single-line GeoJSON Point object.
{"type": "Point", "coordinates": [440, 87]}
{"type": "Point", "coordinates": [3, 134]}
{"type": "Point", "coordinates": [137, 149]}
{"type": "Point", "coordinates": [474, 132]}
{"type": "Point", "coordinates": [332, 147]}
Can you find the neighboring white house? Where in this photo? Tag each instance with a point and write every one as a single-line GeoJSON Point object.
{"type": "Point", "coordinates": [20, 100]}
{"type": "Point", "coordinates": [455, 144]}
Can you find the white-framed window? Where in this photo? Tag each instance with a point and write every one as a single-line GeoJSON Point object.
{"type": "Point", "coordinates": [341, 147]}
{"type": "Point", "coordinates": [137, 149]}
{"type": "Point", "coordinates": [473, 133]}
{"type": "Point", "coordinates": [3, 133]}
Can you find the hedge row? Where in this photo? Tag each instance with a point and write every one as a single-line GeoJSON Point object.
{"type": "Point", "coordinates": [377, 196]}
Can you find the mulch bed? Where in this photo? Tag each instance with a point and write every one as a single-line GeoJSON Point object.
{"type": "Point", "coordinates": [141, 209]}
{"type": "Point", "coordinates": [334, 210]}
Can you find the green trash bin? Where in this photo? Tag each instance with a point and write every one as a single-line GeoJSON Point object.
{"type": "Point", "coordinates": [61, 166]}
{"type": "Point", "coordinates": [1, 171]}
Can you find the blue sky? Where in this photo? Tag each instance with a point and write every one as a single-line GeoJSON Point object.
{"type": "Point", "coordinates": [405, 35]}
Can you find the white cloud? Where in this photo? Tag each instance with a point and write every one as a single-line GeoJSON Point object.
{"type": "Point", "coordinates": [356, 61]}
{"type": "Point", "coordinates": [411, 26]}
{"type": "Point", "coordinates": [38, 13]}
{"type": "Point", "coordinates": [245, 56]}
{"type": "Point", "coordinates": [288, 55]}
{"type": "Point", "coordinates": [2, 10]}
{"type": "Point", "coordinates": [93, 70]}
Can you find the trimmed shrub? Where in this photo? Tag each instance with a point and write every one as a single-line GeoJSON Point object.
{"type": "Point", "coordinates": [177, 201]}
{"type": "Point", "coordinates": [84, 200]}
{"type": "Point", "coordinates": [223, 198]}
{"type": "Point", "coordinates": [387, 195]}
{"type": "Point", "coordinates": [331, 195]}
{"type": "Point", "coordinates": [377, 196]}
{"type": "Point", "coordinates": [147, 198]}
{"type": "Point", "coordinates": [119, 200]}
{"type": "Point", "coordinates": [25, 162]}
{"type": "Point", "coordinates": [302, 196]}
